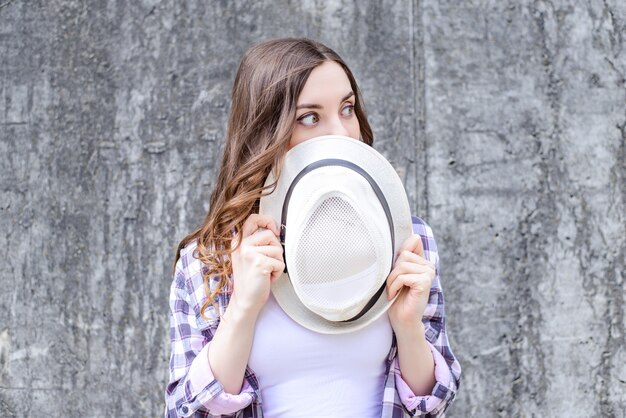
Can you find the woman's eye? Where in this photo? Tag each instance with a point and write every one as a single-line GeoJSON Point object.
{"type": "Point", "coordinates": [348, 110]}
{"type": "Point", "coordinates": [309, 120]}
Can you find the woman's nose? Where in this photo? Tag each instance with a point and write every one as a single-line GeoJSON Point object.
{"type": "Point", "coordinates": [338, 127]}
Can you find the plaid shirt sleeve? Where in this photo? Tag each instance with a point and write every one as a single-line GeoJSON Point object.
{"type": "Point", "coordinates": [399, 400]}
{"type": "Point", "coordinates": [192, 389]}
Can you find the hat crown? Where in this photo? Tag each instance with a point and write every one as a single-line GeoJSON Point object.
{"type": "Point", "coordinates": [338, 245]}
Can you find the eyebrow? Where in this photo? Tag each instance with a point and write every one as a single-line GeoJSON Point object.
{"type": "Point", "coordinates": [316, 106]}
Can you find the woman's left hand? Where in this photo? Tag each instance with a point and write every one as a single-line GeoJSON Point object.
{"type": "Point", "coordinates": [412, 276]}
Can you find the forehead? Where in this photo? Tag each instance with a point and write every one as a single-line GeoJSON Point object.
{"type": "Point", "coordinates": [326, 82]}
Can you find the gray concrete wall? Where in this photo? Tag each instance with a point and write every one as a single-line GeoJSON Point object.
{"type": "Point", "coordinates": [506, 119]}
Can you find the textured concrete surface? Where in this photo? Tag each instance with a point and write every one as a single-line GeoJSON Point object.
{"type": "Point", "coordinates": [507, 120]}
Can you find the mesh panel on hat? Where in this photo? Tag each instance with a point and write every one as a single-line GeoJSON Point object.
{"type": "Point", "coordinates": [335, 259]}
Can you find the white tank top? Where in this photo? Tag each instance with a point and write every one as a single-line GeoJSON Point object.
{"type": "Point", "coordinates": [302, 373]}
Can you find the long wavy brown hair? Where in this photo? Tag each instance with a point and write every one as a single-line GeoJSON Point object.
{"type": "Point", "coordinates": [269, 80]}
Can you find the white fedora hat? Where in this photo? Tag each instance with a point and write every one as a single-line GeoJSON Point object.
{"type": "Point", "coordinates": [343, 214]}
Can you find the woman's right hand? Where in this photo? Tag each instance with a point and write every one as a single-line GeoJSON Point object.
{"type": "Point", "coordinates": [256, 263]}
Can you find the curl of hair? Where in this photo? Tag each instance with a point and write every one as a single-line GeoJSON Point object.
{"type": "Point", "coordinates": [269, 80]}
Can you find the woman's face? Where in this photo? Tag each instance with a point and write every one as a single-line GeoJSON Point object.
{"type": "Point", "coordinates": [325, 105]}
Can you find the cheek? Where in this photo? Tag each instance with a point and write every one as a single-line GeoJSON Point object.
{"type": "Point", "coordinates": [355, 129]}
{"type": "Point", "coordinates": [297, 136]}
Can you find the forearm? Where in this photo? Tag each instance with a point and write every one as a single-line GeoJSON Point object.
{"type": "Point", "coordinates": [416, 360]}
{"type": "Point", "coordinates": [231, 345]}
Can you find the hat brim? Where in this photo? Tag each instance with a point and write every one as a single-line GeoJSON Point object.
{"type": "Point", "coordinates": [381, 171]}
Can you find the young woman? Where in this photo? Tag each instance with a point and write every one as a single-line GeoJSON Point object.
{"type": "Point", "coordinates": [287, 91]}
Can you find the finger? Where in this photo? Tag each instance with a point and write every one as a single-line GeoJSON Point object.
{"type": "Point", "coordinates": [265, 237]}
{"type": "Point", "coordinates": [256, 221]}
{"type": "Point", "coordinates": [277, 272]}
{"type": "Point", "coordinates": [396, 285]}
{"type": "Point", "coordinates": [390, 279]}
{"type": "Point", "coordinates": [274, 268]}
{"type": "Point", "coordinates": [406, 255]}
{"type": "Point", "coordinates": [413, 268]}
{"type": "Point", "coordinates": [393, 276]}
{"type": "Point", "coordinates": [272, 251]}
{"type": "Point", "coordinates": [268, 265]}
{"type": "Point", "coordinates": [405, 267]}
{"type": "Point", "coordinates": [413, 244]}
{"type": "Point", "coordinates": [419, 282]}
{"type": "Point", "coordinates": [397, 271]}
{"type": "Point", "coordinates": [409, 243]}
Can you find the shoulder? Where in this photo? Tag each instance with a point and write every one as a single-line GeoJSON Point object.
{"type": "Point", "coordinates": [424, 230]}
{"type": "Point", "coordinates": [190, 275]}
{"type": "Point", "coordinates": [421, 227]}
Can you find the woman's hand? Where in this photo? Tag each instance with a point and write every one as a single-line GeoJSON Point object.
{"type": "Point", "coordinates": [412, 276]}
{"type": "Point", "coordinates": [256, 263]}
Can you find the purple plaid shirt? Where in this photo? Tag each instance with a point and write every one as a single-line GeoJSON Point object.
{"type": "Point", "coordinates": [193, 391]}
